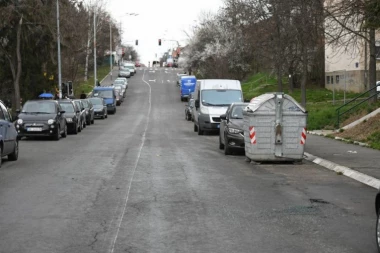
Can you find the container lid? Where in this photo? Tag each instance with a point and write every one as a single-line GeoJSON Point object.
{"type": "Point", "coordinates": [266, 102]}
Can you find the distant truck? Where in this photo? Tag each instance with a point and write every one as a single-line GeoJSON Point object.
{"type": "Point", "coordinates": [187, 86]}
{"type": "Point", "coordinates": [169, 62]}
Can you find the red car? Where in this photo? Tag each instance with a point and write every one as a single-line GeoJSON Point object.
{"type": "Point", "coordinates": [137, 64]}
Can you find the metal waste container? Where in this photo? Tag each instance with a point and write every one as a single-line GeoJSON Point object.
{"type": "Point", "coordinates": [274, 128]}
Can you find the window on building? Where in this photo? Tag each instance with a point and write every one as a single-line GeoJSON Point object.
{"type": "Point", "coordinates": [337, 79]}
{"type": "Point", "coordinates": [377, 50]}
{"type": "Point", "coordinates": [332, 79]}
{"type": "Point", "coordinates": [328, 79]}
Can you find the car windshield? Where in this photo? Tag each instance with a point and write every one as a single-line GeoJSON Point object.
{"type": "Point", "coordinates": [129, 67]}
{"type": "Point", "coordinates": [85, 103]}
{"type": "Point", "coordinates": [123, 68]}
{"type": "Point", "coordinates": [221, 97]}
{"type": "Point", "coordinates": [118, 82]}
{"type": "Point", "coordinates": [39, 107]}
{"type": "Point", "coordinates": [67, 107]}
{"type": "Point", "coordinates": [103, 93]}
{"type": "Point", "coordinates": [237, 112]}
{"type": "Point", "coordinates": [96, 101]}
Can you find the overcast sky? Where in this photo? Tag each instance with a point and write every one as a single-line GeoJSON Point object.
{"type": "Point", "coordinates": [158, 19]}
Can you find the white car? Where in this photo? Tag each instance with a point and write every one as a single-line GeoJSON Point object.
{"type": "Point", "coordinates": [131, 68]}
{"type": "Point", "coordinates": [124, 72]}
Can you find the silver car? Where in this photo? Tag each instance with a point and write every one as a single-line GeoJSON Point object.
{"type": "Point", "coordinates": [124, 72]}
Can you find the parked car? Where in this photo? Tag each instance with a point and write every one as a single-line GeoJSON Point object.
{"type": "Point", "coordinates": [131, 67]}
{"type": "Point", "coordinates": [109, 95]}
{"type": "Point", "coordinates": [72, 115]}
{"type": "Point", "coordinates": [41, 118]}
{"type": "Point", "coordinates": [231, 134]}
{"type": "Point", "coordinates": [124, 72]}
{"type": "Point", "coordinates": [100, 108]}
{"type": "Point", "coordinates": [120, 97]}
{"type": "Point", "coordinates": [377, 209]}
{"type": "Point", "coordinates": [8, 135]}
{"type": "Point", "coordinates": [89, 111]}
{"type": "Point", "coordinates": [82, 110]}
{"type": "Point", "coordinates": [125, 81]}
{"type": "Point", "coordinates": [189, 109]}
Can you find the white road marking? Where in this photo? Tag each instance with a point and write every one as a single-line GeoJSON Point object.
{"type": "Point", "coordinates": [162, 81]}
{"type": "Point", "coordinates": [121, 217]}
{"type": "Point", "coordinates": [169, 81]}
{"type": "Point", "coordinates": [152, 80]}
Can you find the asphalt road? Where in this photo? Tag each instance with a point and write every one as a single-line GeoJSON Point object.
{"type": "Point", "coordinates": [143, 181]}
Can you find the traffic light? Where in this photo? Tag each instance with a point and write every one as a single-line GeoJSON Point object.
{"type": "Point", "coordinates": [137, 42]}
{"type": "Point", "coordinates": [159, 42]}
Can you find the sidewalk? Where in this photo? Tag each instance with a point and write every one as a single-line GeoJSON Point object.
{"type": "Point", "coordinates": [341, 156]}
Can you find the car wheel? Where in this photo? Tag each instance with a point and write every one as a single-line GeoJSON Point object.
{"type": "Point", "coordinates": [58, 134]}
{"type": "Point", "coordinates": [92, 121]}
{"type": "Point", "coordinates": [88, 122]}
{"type": "Point", "coordinates": [64, 135]}
{"type": "Point", "coordinates": [75, 130]}
{"type": "Point", "coordinates": [221, 145]}
{"type": "Point", "coordinates": [80, 127]}
{"type": "Point", "coordinates": [84, 124]}
{"type": "Point", "coordinates": [378, 230]}
{"type": "Point", "coordinates": [14, 155]}
{"type": "Point", "coordinates": [227, 150]}
{"type": "Point", "coordinates": [1, 156]}
{"type": "Point", "coordinates": [195, 128]}
{"type": "Point", "coordinates": [200, 131]}
{"type": "Point", "coordinates": [106, 116]}
{"type": "Point", "coordinates": [103, 117]}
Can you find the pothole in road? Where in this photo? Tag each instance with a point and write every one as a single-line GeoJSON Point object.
{"type": "Point", "coordinates": [319, 201]}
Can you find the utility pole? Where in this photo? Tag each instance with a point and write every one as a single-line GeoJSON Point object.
{"type": "Point", "coordinates": [59, 55]}
{"type": "Point", "coordinates": [111, 48]}
{"type": "Point", "coordinates": [95, 76]}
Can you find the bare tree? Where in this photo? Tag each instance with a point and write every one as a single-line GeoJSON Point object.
{"type": "Point", "coordinates": [349, 23]}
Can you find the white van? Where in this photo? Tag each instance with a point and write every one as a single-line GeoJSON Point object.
{"type": "Point", "coordinates": [212, 98]}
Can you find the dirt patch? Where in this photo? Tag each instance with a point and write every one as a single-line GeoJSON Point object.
{"type": "Point", "coordinates": [362, 131]}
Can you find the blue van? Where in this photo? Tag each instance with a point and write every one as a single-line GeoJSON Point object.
{"type": "Point", "coordinates": [187, 86]}
{"type": "Point", "coordinates": [108, 93]}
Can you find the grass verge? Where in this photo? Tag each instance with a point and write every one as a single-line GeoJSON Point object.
{"type": "Point", "coordinates": [321, 103]}
{"type": "Point", "coordinates": [88, 85]}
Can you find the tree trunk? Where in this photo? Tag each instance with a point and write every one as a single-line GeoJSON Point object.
{"type": "Point", "coordinates": [279, 78]}
{"type": "Point", "coordinates": [16, 81]}
{"type": "Point", "coordinates": [304, 76]}
{"type": "Point", "coordinates": [372, 64]}
{"type": "Point", "coordinates": [291, 80]}
{"type": "Point", "coordinates": [87, 50]}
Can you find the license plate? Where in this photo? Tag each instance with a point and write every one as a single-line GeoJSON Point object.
{"type": "Point", "coordinates": [34, 129]}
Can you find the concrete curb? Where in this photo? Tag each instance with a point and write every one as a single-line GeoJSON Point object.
{"type": "Point", "coordinates": [358, 176]}
{"type": "Point", "coordinates": [338, 138]}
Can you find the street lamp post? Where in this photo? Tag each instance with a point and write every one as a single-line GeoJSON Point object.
{"type": "Point", "coordinates": [59, 55]}
{"type": "Point", "coordinates": [126, 14]}
{"type": "Point", "coordinates": [95, 74]}
{"type": "Point", "coordinates": [111, 49]}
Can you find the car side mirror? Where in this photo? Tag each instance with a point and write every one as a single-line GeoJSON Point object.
{"type": "Point", "coordinates": [196, 103]}
{"type": "Point", "coordinates": [18, 111]}
{"type": "Point", "coordinates": [223, 117]}
{"type": "Point", "coordinates": [78, 111]}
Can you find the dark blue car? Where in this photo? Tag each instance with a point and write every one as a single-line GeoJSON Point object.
{"type": "Point", "coordinates": [108, 93]}
{"type": "Point", "coordinates": [8, 135]}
